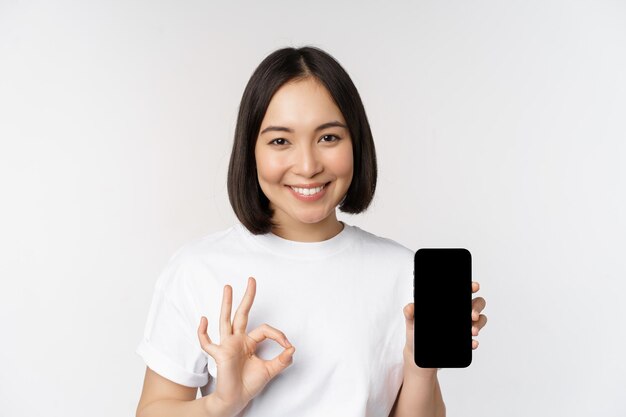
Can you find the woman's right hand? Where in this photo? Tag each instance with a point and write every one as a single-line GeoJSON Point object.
{"type": "Point", "coordinates": [242, 374]}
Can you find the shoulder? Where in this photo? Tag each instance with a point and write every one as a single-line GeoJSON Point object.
{"type": "Point", "coordinates": [393, 257]}
{"type": "Point", "coordinates": [194, 258]}
{"type": "Point", "coordinates": [211, 242]}
{"type": "Point", "coordinates": [388, 247]}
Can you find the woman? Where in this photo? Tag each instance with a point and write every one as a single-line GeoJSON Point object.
{"type": "Point", "coordinates": [302, 148]}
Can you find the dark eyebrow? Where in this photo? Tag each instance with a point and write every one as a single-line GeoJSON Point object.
{"type": "Point", "coordinates": [334, 123]}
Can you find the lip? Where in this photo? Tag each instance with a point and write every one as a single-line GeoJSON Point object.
{"type": "Point", "coordinates": [312, 185]}
{"type": "Point", "coordinates": [308, 198]}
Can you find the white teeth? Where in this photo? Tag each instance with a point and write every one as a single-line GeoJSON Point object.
{"type": "Point", "coordinates": [307, 191]}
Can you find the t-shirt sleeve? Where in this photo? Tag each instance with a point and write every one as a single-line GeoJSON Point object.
{"type": "Point", "coordinates": [404, 289]}
{"type": "Point", "coordinates": [170, 345]}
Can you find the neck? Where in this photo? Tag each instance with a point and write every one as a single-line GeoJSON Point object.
{"type": "Point", "coordinates": [308, 232]}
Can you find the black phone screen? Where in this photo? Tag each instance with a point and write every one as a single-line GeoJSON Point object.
{"type": "Point", "coordinates": [442, 292]}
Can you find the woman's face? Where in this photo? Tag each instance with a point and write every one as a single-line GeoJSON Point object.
{"type": "Point", "coordinates": [296, 147]}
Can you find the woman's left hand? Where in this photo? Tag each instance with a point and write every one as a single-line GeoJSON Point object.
{"type": "Point", "coordinates": [478, 322]}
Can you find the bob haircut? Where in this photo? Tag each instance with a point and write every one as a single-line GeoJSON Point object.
{"type": "Point", "coordinates": [285, 65]}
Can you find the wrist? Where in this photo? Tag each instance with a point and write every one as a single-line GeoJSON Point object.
{"type": "Point", "coordinates": [215, 407]}
{"type": "Point", "coordinates": [411, 369]}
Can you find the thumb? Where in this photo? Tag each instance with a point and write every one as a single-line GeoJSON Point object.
{"type": "Point", "coordinates": [280, 362]}
{"type": "Point", "coordinates": [409, 311]}
{"type": "Point", "coordinates": [409, 315]}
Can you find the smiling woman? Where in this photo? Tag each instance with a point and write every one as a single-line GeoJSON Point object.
{"type": "Point", "coordinates": [301, 123]}
{"type": "Point", "coordinates": [302, 149]}
{"type": "Point", "coordinates": [308, 174]}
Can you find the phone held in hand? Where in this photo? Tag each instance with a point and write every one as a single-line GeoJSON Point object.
{"type": "Point", "coordinates": [442, 293]}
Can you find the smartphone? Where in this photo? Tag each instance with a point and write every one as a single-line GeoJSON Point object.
{"type": "Point", "coordinates": [442, 293]}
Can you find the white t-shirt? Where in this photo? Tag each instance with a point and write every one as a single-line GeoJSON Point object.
{"type": "Point", "coordinates": [339, 302]}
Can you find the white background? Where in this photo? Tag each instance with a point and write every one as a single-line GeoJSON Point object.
{"type": "Point", "coordinates": [500, 127]}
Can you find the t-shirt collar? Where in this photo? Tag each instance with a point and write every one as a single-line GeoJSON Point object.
{"type": "Point", "coordinates": [301, 250]}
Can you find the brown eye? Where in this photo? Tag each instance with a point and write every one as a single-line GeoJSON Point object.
{"type": "Point", "coordinates": [273, 141]}
{"type": "Point", "coordinates": [331, 136]}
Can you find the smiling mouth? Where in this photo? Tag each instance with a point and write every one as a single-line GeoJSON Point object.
{"type": "Point", "coordinates": [308, 191]}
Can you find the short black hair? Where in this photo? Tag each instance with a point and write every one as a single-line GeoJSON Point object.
{"type": "Point", "coordinates": [250, 204]}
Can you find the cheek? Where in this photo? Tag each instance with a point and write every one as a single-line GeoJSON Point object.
{"type": "Point", "coordinates": [343, 163]}
{"type": "Point", "coordinates": [268, 169]}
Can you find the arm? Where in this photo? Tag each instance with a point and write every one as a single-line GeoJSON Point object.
{"type": "Point", "coordinates": [201, 407]}
{"type": "Point", "coordinates": [161, 397]}
{"type": "Point", "coordinates": [420, 394]}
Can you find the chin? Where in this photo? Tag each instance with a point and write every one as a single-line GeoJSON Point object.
{"type": "Point", "coordinates": [309, 220]}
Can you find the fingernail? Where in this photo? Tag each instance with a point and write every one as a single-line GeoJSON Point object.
{"type": "Point", "coordinates": [287, 342]}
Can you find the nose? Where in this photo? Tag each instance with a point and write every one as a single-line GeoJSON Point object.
{"type": "Point", "coordinates": [308, 162]}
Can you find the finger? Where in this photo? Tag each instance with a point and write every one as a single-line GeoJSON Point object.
{"type": "Point", "coordinates": [265, 331]}
{"type": "Point", "coordinates": [241, 315]}
{"type": "Point", "coordinates": [227, 304]}
{"type": "Point", "coordinates": [205, 341]}
{"type": "Point", "coordinates": [479, 324]}
{"type": "Point", "coordinates": [409, 311]}
{"type": "Point", "coordinates": [409, 315]}
{"type": "Point", "coordinates": [280, 362]}
{"type": "Point", "coordinates": [478, 305]}
{"type": "Point", "coordinates": [474, 344]}
{"type": "Point", "coordinates": [475, 286]}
